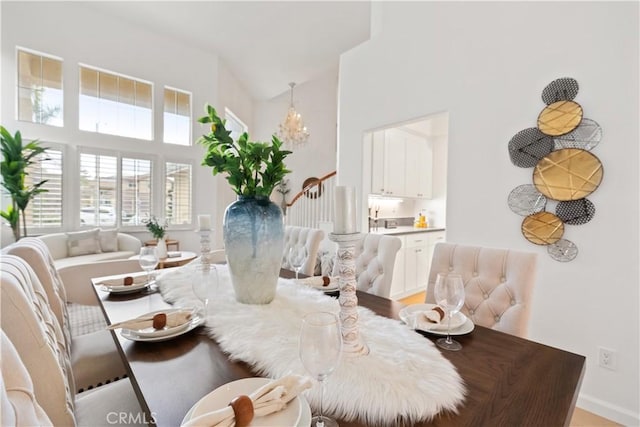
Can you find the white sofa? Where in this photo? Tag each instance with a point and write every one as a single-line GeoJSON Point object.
{"type": "Point", "coordinates": [110, 245]}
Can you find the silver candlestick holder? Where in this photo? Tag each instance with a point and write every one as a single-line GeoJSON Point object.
{"type": "Point", "coordinates": [352, 344]}
{"type": "Point", "coordinates": [205, 246]}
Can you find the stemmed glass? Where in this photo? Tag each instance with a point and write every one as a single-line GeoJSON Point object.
{"type": "Point", "coordinates": [148, 260]}
{"type": "Point", "coordinates": [449, 294]}
{"type": "Point", "coordinates": [297, 257]}
{"type": "Point", "coordinates": [320, 349]}
{"type": "Point", "coordinates": [205, 283]}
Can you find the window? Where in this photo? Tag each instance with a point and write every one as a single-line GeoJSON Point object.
{"type": "Point", "coordinates": [178, 193]}
{"type": "Point", "coordinates": [177, 117]}
{"type": "Point", "coordinates": [39, 88]}
{"type": "Point", "coordinates": [98, 189]}
{"type": "Point", "coordinates": [115, 105]}
{"type": "Point", "coordinates": [234, 124]}
{"type": "Point", "coordinates": [45, 210]}
{"type": "Point", "coordinates": [136, 190]}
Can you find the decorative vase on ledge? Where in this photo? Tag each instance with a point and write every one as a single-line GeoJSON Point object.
{"type": "Point", "coordinates": [253, 233]}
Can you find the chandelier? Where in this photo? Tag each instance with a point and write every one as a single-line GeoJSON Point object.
{"type": "Point", "coordinates": [293, 130]}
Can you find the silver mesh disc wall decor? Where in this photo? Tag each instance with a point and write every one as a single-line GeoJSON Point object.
{"type": "Point", "coordinates": [563, 250]}
{"type": "Point", "coordinates": [565, 171]}
{"type": "Point", "coordinates": [575, 212]}
{"type": "Point", "coordinates": [586, 136]}
{"type": "Point", "coordinates": [526, 200]}
{"type": "Point", "coordinates": [528, 146]}
{"type": "Point", "coordinates": [563, 89]}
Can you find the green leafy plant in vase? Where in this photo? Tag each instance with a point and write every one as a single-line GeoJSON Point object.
{"type": "Point", "coordinates": [158, 230]}
{"type": "Point", "coordinates": [253, 226]}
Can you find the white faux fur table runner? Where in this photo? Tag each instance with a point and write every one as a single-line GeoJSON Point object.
{"type": "Point", "coordinates": [403, 379]}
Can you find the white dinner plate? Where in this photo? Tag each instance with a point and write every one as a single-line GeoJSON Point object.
{"type": "Point", "coordinates": [163, 335]}
{"type": "Point", "coordinates": [465, 324]}
{"type": "Point", "coordinates": [121, 289]}
{"type": "Point", "coordinates": [297, 413]}
{"type": "Point", "coordinates": [333, 286]}
{"type": "Point", "coordinates": [151, 332]}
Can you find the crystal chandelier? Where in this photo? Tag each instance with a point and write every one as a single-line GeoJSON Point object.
{"type": "Point", "coordinates": [293, 130]}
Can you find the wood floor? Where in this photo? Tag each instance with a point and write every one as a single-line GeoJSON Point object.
{"type": "Point", "coordinates": [581, 418]}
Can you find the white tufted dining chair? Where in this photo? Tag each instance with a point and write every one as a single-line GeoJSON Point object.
{"type": "Point", "coordinates": [375, 259]}
{"type": "Point", "coordinates": [309, 237]}
{"type": "Point", "coordinates": [498, 284]}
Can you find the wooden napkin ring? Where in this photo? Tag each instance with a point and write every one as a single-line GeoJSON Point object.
{"type": "Point", "coordinates": [439, 310]}
{"type": "Point", "coordinates": [128, 281]}
{"type": "Point", "coordinates": [242, 410]}
{"type": "Point", "coordinates": [325, 281]}
{"type": "Point", "coordinates": [159, 321]}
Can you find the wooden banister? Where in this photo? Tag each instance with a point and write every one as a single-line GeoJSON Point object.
{"type": "Point", "coordinates": [315, 183]}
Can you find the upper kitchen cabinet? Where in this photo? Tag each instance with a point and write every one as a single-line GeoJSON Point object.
{"type": "Point", "coordinates": [401, 164]}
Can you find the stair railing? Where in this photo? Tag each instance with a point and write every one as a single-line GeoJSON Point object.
{"type": "Point", "coordinates": [314, 204]}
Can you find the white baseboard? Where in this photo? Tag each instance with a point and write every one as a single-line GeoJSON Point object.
{"type": "Point", "coordinates": [608, 410]}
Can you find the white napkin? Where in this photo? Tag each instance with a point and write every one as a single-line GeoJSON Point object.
{"type": "Point", "coordinates": [427, 321]}
{"type": "Point", "coordinates": [174, 318]}
{"type": "Point", "coordinates": [119, 283]}
{"type": "Point", "coordinates": [318, 281]}
{"type": "Point", "coordinates": [269, 398]}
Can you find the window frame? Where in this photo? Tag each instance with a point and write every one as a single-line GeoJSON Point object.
{"type": "Point", "coordinates": [164, 123]}
{"type": "Point", "coordinates": [192, 163]}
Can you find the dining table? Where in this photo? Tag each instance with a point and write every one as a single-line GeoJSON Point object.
{"type": "Point", "coordinates": [510, 381]}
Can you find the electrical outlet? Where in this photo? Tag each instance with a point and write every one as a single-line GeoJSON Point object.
{"type": "Point", "coordinates": [607, 358]}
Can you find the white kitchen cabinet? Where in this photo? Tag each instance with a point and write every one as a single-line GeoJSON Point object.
{"type": "Point", "coordinates": [401, 164]}
{"type": "Point", "coordinates": [413, 263]}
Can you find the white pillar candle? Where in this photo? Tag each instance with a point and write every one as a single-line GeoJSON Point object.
{"type": "Point", "coordinates": [204, 222]}
{"type": "Point", "coordinates": [345, 210]}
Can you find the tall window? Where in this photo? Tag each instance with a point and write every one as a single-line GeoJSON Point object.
{"type": "Point", "coordinates": [177, 117]}
{"type": "Point", "coordinates": [136, 190]}
{"type": "Point", "coordinates": [178, 193]}
{"type": "Point", "coordinates": [234, 124]}
{"type": "Point", "coordinates": [45, 210]}
{"type": "Point", "coordinates": [39, 88]}
{"type": "Point", "coordinates": [98, 179]}
{"type": "Point", "coordinates": [115, 105]}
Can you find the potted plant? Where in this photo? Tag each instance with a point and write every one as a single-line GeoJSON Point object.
{"type": "Point", "coordinates": [15, 160]}
{"type": "Point", "coordinates": [158, 231]}
{"type": "Point", "coordinates": [253, 226]}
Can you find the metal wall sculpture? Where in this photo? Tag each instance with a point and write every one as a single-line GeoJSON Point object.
{"type": "Point", "coordinates": [564, 170]}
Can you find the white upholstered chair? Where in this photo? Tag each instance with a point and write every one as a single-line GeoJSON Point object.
{"type": "Point", "coordinates": [375, 259]}
{"type": "Point", "coordinates": [309, 237]}
{"type": "Point", "coordinates": [31, 327]}
{"type": "Point", "coordinates": [498, 284]}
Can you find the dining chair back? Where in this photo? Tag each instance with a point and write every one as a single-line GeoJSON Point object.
{"type": "Point", "coordinates": [310, 238]}
{"type": "Point", "coordinates": [375, 260]}
{"type": "Point", "coordinates": [498, 284]}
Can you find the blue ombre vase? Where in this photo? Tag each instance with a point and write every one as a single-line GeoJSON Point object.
{"type": "Point", "coordinates": [253, 233]}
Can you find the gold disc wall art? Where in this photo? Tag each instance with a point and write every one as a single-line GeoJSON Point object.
{"type": "Point", "coordinates": [565, 172]}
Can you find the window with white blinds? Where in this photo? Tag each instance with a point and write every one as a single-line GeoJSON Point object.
{"type": "Point", "coordinates": [177, 117]}
{"type": "Point", "coordinates": [136, 182]}
{"type": "Point", "coordinates": [98, 189]}
{"type": "Point", "coordinates": [45, 210]}
{"type": "Point", "coordinates": [40, 95]}
{"type": "Point", "coordinates": [178, 193]}
{"type": "Point", "coordinates": [114, 104]}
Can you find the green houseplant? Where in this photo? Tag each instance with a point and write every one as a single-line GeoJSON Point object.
{"type": "Point", "coordinates": [253, 226]}
{"type": "Point", "coordinates": [155, 228]}
{"type": "Point", "coordinates": [16, 157]}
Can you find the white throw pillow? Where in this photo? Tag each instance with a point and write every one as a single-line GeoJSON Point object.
{"type": "Point", "coordinates": [83, 242]}
{"type": "Point", "coordinates": [109, 240]}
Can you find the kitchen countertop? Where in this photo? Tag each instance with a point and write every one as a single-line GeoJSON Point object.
{"type": "Point", "coordinates": [405, 229]}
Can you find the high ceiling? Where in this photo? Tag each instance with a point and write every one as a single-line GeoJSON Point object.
{"type": "Point", "coordinates": [265, 44]}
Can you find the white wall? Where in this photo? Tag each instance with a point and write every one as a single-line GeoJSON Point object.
{"type": "Point", "coordinates": [76, 33]}
{"type": "Point", "coordinates": [486, 64]}
{"type": "Point", "coordinates": [316, 101]}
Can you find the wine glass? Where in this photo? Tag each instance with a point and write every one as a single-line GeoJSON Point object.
{"type": "Point", "coordinates": [449, 294]}
{"type": "Point", "coordinates": [205, 283]}
{"type": "Point", "coordinates": [148, 260]}
{"type": "Point", "coordinates": [297, 257]}
{"type": "Point", "coordinates": [320, 348]}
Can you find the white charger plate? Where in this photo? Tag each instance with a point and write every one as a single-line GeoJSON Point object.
{"type": "Point", "coordinates": [163, 335]}
{"type": "Point", "coordinates": [121, 289]}
{"type": "Point", "coordinates": [331, 287]}
{"type": "Point", "coordinates": [296, 414]}
{"type": "Point", "coordinates": [151, 332]}
{"type": "Point", "coordinates": [465, 325]}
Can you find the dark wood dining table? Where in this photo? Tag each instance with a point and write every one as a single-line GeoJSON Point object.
{"type": "Point", "coordinates": [510, 381]}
